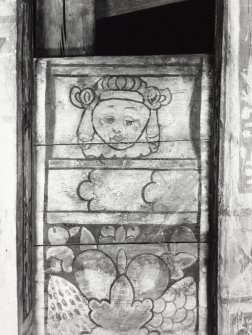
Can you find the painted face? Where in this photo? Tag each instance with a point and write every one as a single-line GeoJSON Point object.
{"type": "Point", "coordinates": [120, 123]}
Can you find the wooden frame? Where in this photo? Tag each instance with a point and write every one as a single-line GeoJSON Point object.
{"type": "Point", "coordinates": [232, 204]}
{"type": "Point", "coordinates": [235, 145]}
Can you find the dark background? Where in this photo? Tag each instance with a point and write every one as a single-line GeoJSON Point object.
{"type": "Point", "coordinates": [181, 28]}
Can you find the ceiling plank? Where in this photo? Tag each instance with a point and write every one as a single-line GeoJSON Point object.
{"type": "Point", "coordinates": [108, 8]}
{"type": "Point", "coordinates": [64, 28]}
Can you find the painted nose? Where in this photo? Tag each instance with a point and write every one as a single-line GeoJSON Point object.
{"type": "Point", "coordinates": [117, 130]}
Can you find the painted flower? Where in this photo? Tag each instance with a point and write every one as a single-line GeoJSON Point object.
{"type": "Point", "coordinates": [121, 314]}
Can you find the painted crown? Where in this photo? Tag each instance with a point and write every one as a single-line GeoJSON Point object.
{"type": "Point", "coordinates": [120, 87]}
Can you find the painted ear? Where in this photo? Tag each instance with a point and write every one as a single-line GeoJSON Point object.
{"type": "Point", "coordinates": [152, 131]}
{"type": "Point", "coordinates": [85, 131]}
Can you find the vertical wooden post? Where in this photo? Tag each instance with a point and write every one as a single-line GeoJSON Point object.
{"type": "Point", "coordinates": [25, 83]}
{"type": "Point", "coordinates": [65, 28]}
{"type": "Point", "coordinates": [235, 177]}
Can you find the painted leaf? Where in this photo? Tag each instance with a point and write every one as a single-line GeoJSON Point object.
{"type": "Point", "coordinates": [73, 231]}
{"type": "Point", "coordinates": [87, 240]}
{"type": "Point", "coordinates": [121, 314]}
{"type": "Point", "coordinates": [177, 263]}
{"type": "Point", "coordinates": [121, 261]}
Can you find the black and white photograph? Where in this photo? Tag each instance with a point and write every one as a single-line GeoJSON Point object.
{"type": "Point", "coordinates": [126, 167]}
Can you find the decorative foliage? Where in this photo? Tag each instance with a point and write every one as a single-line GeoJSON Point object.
{"type": "Point", "coordinates": [177, 263]}
{"type": "Point", "coordinates": [87, 240]}
{"type": "Point", "coordinates": [125, 298]}
{"type": "Point", "coordinates": [121, 314]}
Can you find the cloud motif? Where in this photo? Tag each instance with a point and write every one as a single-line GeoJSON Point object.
{"type": "Point", "coordinates": [173, 191]}
{"type": "Point", "coordinates": [119, 190]}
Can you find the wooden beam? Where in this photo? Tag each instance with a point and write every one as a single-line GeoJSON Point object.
{"type": "Point", "coordinates": [235, 177]}
{"type": "Point", "coordinates": [107, 8]}
{"type": "Point", "coordinates": [64, 28]}
{"type": "Point", "coordinates": [25, 84]}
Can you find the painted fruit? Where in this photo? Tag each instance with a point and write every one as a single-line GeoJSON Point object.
{"type": "Point", "coordinates": [58, 235]}
{"type": "Point", "coordinates": [149, 276]}
{"type": "Point", "coordinates": [94, 272]}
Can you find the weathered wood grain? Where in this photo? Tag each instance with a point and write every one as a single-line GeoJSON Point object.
{"type": "Point", "coordinates": [108, 8]}
{"type": "Point", "coordinates": [173, 60]}
{"type": "Point", "coordinates": [237, 316]}
{"type": "Point", "coordinates": [76, 281]}
{"type": "Point", "coordinates": [64, 27]}
{"type": "Point", "coordinates": [235, 197]}
{"type": "Point", "coordinates": [181, 151]}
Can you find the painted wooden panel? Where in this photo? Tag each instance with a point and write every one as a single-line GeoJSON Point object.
{"type": "Point", "coordinates": [122, 182]}
{"type": "Point", "coordinates": [119, 290]}
{"type": "Point", "coordinates": [121, 196]}
{"type": "Point", "coordinates": [183, 116]}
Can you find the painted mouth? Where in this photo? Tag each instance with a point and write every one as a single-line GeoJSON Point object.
{"type": "Point", "coordinates": [117, 138]}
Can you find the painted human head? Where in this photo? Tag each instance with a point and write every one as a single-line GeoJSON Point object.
{"type": "Point", "coordinates": [120, 123]}
{"type": "Point", "coordinates": [118, 110]}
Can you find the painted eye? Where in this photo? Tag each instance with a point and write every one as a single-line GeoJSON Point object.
{"type": "Point", "coordinates": [109, 120]}
{"type": "Point", "coordinates": [129, 122]}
